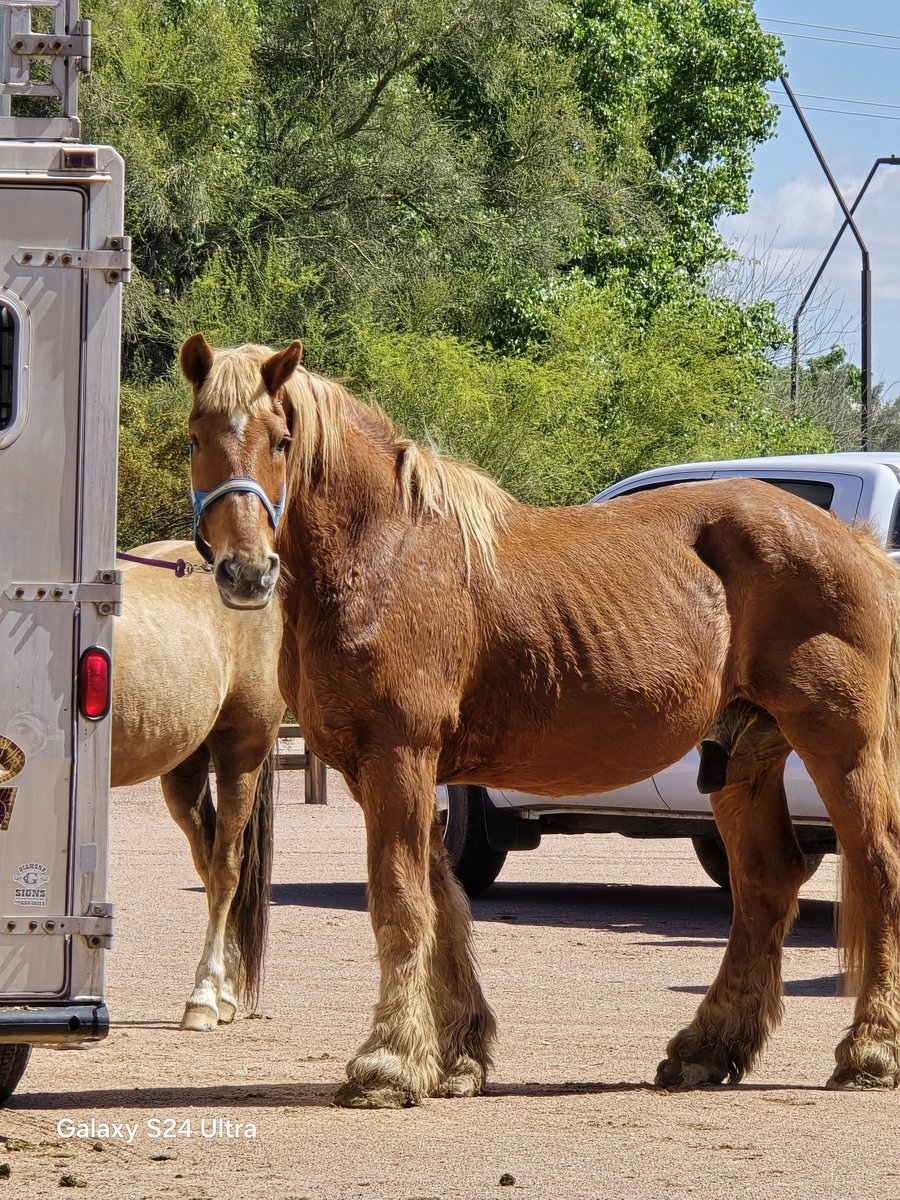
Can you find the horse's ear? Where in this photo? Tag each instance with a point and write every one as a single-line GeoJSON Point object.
{"type": "Point", "coordinates": [278, 369]}
{"type": "Point", "coordinates": [196, 359]}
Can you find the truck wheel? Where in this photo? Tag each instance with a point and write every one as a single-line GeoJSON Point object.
{"type": "Point", "coordinates": [474, 861]}
{"type": "Point", "coordinates": [13, 1061]}
{"type": "Point", "coordinates": [713, 859]}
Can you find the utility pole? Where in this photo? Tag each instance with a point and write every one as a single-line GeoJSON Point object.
{"type": "Point", "coordinates": [866, 281]}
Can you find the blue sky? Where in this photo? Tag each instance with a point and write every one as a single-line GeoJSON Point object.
{"type": "Point", "coordinates": [793, 215]}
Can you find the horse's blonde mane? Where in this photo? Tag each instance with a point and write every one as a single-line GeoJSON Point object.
{"type": "Point", "coordinates": [234, 383]}
{"type": "Point", "coordinates": [430, 484]}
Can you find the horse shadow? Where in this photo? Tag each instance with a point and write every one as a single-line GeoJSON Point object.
{"type": "Point", "coordinates": [648, 914]}
{"type": "Point", "coordinates": [218, 1096]}
{"type": "Point", "coordinates": [685, 916]}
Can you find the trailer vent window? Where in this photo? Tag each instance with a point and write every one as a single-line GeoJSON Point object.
{"type": "Point", "coordinates": [8, 331]}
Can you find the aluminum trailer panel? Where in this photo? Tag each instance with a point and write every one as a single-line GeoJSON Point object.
{"type": "Point", "coordinates": [62, 261]}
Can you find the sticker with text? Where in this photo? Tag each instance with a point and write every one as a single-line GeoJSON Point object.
{"type": "Point", "coordinates": [31, 881]}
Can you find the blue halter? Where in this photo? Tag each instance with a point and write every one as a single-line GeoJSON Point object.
{"type": "Point", "coordinates": [236, 483]}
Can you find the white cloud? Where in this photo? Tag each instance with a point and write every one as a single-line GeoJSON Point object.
{"type": "Point", "coordinates": [788, 232]}
{"type": "Point", "coordinates": [807, 212]}
{"type": "Point", "coordinates": [795, 226]}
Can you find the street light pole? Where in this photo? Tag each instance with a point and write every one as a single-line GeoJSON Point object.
{"type": "Point", "coordinates": [866, 280]}
{"type": "Point", "coordinates": [890, 160]}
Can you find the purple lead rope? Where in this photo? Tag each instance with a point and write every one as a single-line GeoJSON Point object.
{"type": "Point", "coordinates": [180, 567]}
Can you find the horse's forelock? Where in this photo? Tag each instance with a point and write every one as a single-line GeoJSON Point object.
{"type": "Point", "coordinates": [235, 382]}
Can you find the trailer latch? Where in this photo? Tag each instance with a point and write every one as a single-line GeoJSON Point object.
{"type": "Point", "coordinates": [76, 44]}
{"type": "Point", "coordinates": [106, 592]}
{"type": "Point", "coordinates": [114, 260]}
{"type": "Point", "coordinates": [96, 928]}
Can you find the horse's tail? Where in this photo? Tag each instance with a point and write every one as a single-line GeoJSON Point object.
{"type": "Point", "coordinates": [249, 917]}
{"type": "Point", "coordinates": [851, 922]}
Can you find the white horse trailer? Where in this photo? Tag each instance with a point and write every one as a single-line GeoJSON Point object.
{"type": "Point", "coordinates": [63, 259]}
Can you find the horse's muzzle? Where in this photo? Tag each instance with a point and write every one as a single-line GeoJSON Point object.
{"type": "Point", "coordinates": [247, 584]}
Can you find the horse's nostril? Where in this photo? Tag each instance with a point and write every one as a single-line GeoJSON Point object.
{"type": "Point", "coordinates": [273, 563]}
{"type": "Point", "coordinates": [230, 569]}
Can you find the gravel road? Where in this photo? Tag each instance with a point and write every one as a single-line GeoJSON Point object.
{"type": "Point", "coordinates": [594, 950]}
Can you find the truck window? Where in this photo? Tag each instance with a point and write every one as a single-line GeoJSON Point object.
{"type": "Point", "coordinates": [8, 332]}
{"type": "Point", "coordinates": [816, 491]}
{"type": "Point", "coordinates": [893, 542]}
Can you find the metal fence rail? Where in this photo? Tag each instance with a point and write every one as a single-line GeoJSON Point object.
{"type": "Point", "coordinates": [315, 786]}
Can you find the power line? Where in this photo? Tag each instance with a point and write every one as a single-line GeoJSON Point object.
{"type": "Point", "coordinates": [842, 112]}
{"type": "Point", "coordinates": [833, 28]}
{"type": "Point", "coordinates": [809, 37]}
{"type": "Point", "coordinates": [847, 100]}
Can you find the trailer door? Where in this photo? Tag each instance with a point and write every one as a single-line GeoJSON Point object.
{"type": "Point", "coordinates": [41, 339]}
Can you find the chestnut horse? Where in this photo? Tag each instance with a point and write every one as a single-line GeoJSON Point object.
{"type": "Point", "coordinates": [436, 631]}
{"type": "Point", "coordinates": [194, 684]}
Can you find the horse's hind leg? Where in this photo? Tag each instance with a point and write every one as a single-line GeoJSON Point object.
{"type": "Point", "coordinates": [866, 819]}
{"type": "Point", "coordinates": [188, 798]}
{"type": "Point", "coordinates": [463, 1018]}
{"type": "Point", "coordinates": [401, 1061]}
{"type": "Point", "coordinates": [213, 999]}
{"type": "Point", "coordinates": [766, 864]}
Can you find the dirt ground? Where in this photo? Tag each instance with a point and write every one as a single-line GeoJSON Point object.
{"type": "Point", "coordinates": [594, 949]}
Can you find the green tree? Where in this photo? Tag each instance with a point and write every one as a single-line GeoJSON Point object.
{"type": "Point", "coordinates": [828, 394]}
{"type": "Point", "coordinates": [169, 88]}
{"type": "Point", "coordinates": [431, 155]}
{"type": "Point", "coordinates": [495, 219]}
{"type": "Point", "coordinates": [686, 80]}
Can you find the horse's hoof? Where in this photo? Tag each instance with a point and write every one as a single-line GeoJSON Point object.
{"type": "Point", "coordinates": [353, 1095]}
{"type": "Point", "coordinates": [464, 1078]}
{"type": "Point", "coordinates": [849, 1079]}
{"type": "Point", "coordinates": [455, 1087]}
{"type": "Point", "coordinates": [674, 1075]}
{"type": "Point", "coordinates": [200, 1019]}
{"type": "Point", "coordinates": [226, 1011]}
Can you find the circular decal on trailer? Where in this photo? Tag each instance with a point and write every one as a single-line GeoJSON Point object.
{"type": "Point", "coordinates": [12, 760]}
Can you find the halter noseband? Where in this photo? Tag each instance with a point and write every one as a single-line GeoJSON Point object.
{"type": "Point", "coordinates": [236, 483]}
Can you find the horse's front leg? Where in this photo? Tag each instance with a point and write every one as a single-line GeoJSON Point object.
{"type": "Point", "coordinates": [465, 1022]}
{"type": "Point", "coordinates": [766, 865]}
{"type": "Point", "coordinates": [401, 1061]}
{"type": "Point", "coordinates": [189, 800]}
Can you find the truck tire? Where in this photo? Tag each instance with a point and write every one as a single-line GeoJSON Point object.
{"type": "Point", "coordinates": [13, 1061]}
{"type": "Point", "coordinates": [473, 860]}
{"type": "Point", "coordinates": [713, 859]}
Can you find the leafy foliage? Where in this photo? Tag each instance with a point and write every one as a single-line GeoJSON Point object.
{"type": "Point", "coordinates": [688, 76]}
{"type": "Point", "coordinates": [169, 89]}
{"type": "Point", "coordinates": [494, 219]}
{"type": "Point", "coordinates": [154, 475]}
{"type": "Point", "coordinates": [828, 394]}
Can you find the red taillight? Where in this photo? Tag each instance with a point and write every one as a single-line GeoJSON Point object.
{"type": "Point", "coordinates": [93, 684]}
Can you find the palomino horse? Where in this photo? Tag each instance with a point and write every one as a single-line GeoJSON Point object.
{"type": "Point", "coordinates": [438, 631]}
{"type": "Point", "coordinates": [194, 683]}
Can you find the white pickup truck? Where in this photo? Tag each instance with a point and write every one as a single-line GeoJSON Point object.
{"type": "Point", "coordinates": [483, 824]}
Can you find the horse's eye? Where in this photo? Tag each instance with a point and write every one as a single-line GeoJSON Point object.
{"type": "Point", "coordinates": [282, 445]}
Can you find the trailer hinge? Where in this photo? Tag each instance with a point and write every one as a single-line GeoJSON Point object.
{"type": "Point", "coordinates": [96, 927]}
{"type": "Point", "coordinates": [106, 592]}
{"type": "Point", "coordinates": [114, 261]}
{"type": "Point", "coordinates": [76, 44]}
